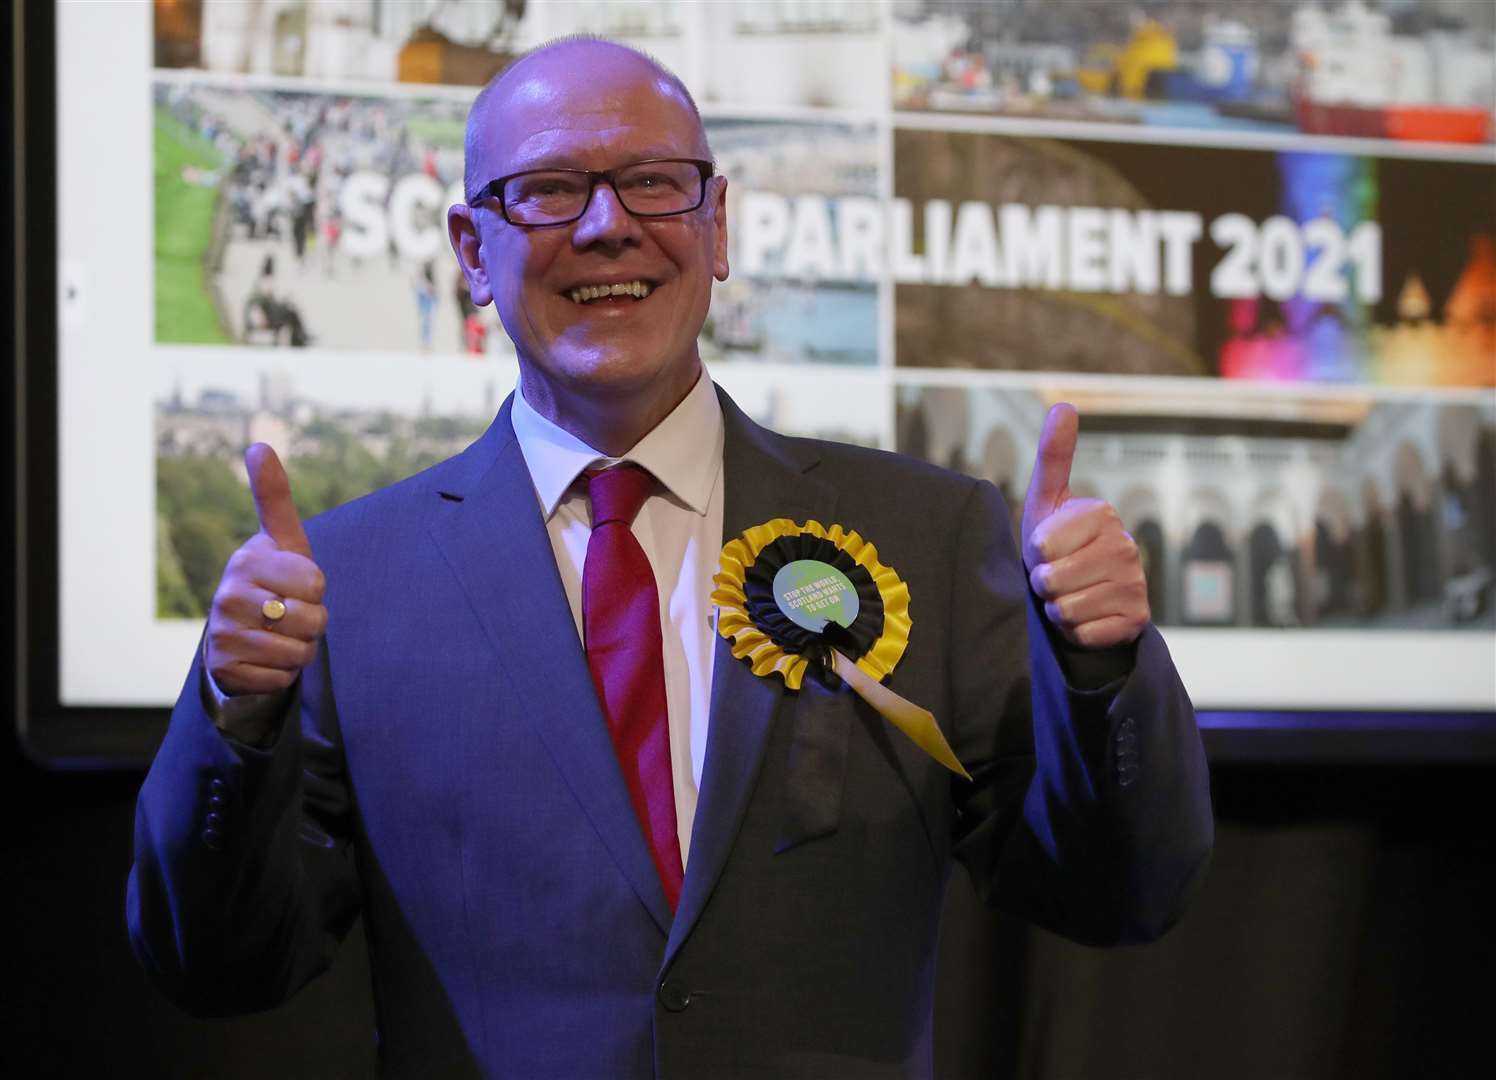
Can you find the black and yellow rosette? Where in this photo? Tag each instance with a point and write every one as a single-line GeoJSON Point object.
{"type": "Point", "coordinates": [789, 596]}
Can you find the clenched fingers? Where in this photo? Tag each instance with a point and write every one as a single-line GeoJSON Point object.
{"type": "Point", "coordinates": [1074, 525]}
{"type": "Point", "coordinates": [245, 608]}
{"type": "Point", "coordinates": [248, 653]}
{"type": "Point", "coordinates": [1126, 600]}
{"type": "Point", "coordinates": [1112, 555]}
{"type": "Point", "coordinates": [258, 563]}
{"type": "Point", "coordinates": [1100, 617]}
{"type": "Point", "coordinates": [1089, 573]}
{"type": "Point", "coordinates": [245, 678]}
{"type": "Point", "coordinates": [246, 660]}
{"type": "Point", "coordinates": [1107, 632]}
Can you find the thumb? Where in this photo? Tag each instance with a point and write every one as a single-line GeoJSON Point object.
{"type": "Point", "coordinates": [273, 505]}
{"type": "Point", "coordinates": [1050, 483]}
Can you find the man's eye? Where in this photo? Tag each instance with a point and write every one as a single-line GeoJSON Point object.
{"type": "Point", "coordinates": [650, 182]}
{"type": "Point", "coordinates": [546, 187]}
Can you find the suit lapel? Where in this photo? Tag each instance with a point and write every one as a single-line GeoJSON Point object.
{"type": "Point", "coordinates": [763, 479]}
{"type": "Point", "coordinates": [487, 523]}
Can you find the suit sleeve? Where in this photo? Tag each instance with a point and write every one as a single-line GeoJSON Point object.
{"type": "Point", "coordinates": [1089, 811]}
{"type": "Point", "coordinates": [244, 882]}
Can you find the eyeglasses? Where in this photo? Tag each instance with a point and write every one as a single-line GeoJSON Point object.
{"type": "Point", "coordinates": [658, 187]}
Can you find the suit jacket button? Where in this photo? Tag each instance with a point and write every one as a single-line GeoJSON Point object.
{"type": "Point", "coordinates": [212, 839]}
{"type": "Point", "coordinates": [216, 786]}
{"type": "Point", "coordinates": [214, 820]}
{"type": "Point", "coordinates": [675, 995]}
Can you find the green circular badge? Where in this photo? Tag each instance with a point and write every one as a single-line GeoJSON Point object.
{"type": "Point", "coordinates": [811, 593]}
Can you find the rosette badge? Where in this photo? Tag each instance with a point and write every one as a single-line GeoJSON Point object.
{"type": "Point", "coordinates": [789, 596]}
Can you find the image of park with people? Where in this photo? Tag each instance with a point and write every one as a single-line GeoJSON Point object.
{"type": "Point", "coordinates": [288, 219]}
{"type": "Point", "coordinates": [301, 220]}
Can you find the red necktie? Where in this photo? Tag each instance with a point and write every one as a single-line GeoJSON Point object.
{"type": "Point", "coordinates": [621, 627]}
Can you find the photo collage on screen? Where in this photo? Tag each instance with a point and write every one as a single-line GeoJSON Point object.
{"type": "Point", "coordinates": [1254, 243]}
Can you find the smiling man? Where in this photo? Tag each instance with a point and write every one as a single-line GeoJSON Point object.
{"type": "Point", "coordinates": [601, 281]}
{"type": "Point", "coordinates": [489, 707]}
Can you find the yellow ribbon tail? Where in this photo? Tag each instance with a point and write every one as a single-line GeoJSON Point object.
{"type": "Point", "coordinates": [918, 724]}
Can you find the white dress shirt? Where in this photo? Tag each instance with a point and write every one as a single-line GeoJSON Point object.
{"type": "Point", "coordinates": [680, 529]}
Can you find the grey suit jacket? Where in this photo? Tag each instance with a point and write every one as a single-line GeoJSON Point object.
{"type": "Point", "coordinates": [452, 778]}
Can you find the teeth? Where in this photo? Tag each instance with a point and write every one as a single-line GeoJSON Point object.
{"type": "Point", "coordinates": [584, 293]}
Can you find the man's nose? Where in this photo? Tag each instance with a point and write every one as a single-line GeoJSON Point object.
{"type": "Point", "coordinates": [606, 220]}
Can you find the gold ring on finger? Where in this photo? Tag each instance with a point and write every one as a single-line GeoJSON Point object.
{"type": "Point", "coordinates": [274, 611]}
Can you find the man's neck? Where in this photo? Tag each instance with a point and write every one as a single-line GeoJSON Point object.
{"type": "Point", "coordinates": [611, 425]}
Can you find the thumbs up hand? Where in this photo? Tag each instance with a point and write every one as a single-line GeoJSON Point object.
{"type": "Point", "coordinates": [1080, 561]}
{"type": "Point", "coordinates": [248, 652]}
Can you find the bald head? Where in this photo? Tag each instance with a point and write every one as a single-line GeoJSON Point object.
{"type": "Point", "coordinates": [562, 71]}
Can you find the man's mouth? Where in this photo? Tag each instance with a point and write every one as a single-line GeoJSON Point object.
{"type": "Point", "coordinates": [616, 292]}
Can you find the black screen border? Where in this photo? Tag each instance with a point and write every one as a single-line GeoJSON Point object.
{"type": "Point", "coordinates": [49, 733]}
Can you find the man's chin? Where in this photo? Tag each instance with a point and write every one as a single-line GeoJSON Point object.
{"type": "Point", "coordinates": [619, 370]}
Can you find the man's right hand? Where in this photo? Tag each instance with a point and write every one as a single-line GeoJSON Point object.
{"type": "Point", "coordinates": [246, 652]}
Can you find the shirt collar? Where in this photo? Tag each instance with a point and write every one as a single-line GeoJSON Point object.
{"type": "Point", "coordinates": [672, 450]}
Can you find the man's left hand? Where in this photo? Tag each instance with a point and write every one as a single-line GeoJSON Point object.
{"type": "Point", "coordinates": [1080, 561]}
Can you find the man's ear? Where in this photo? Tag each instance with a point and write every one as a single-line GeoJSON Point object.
{"type": "Point", "coordinates": [719, 223]}
{"type": "Point", "coordinates": [467, 245]}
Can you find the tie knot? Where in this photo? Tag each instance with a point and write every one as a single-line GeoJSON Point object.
{"type": "Point", "coordinates": [617, 493]}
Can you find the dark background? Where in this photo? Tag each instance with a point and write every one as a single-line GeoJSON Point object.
{"type": "Point", "coordinates": [1344, 932]}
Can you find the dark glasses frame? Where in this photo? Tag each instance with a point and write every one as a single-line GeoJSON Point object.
{"type": "Point", "coordinates": [494, 189]}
